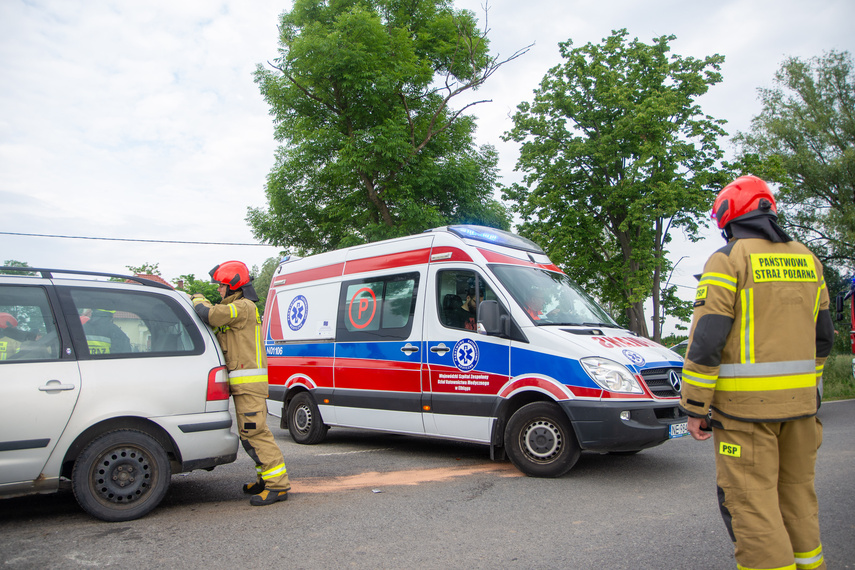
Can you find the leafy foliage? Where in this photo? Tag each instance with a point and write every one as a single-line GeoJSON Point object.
{"type": "Point", "coordinates": [190, 285]}
{"type": "Point", "coordinates": [371, 146]}
{"type": "Point", "coordinates": [616, 155]}
{"type": "Point", "coordinates": [804, 140]}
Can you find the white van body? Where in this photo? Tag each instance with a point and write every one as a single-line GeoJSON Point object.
{"type": "Point", "coordinates": [379, 337]}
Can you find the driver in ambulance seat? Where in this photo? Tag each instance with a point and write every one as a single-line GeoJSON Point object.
{"type": "Point", "coordinates": [534, 304]}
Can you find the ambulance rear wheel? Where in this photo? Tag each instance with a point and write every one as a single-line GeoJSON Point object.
{"type": "Point", "coordinates": [540, 442]}
{"type": "Point", "coordinates": [304, 420]}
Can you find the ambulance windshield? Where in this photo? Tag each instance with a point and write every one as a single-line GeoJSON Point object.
{"type": "Point", "coordinates": [551, 298]}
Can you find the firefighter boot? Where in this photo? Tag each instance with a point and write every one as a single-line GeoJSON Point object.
{"type": "Point", "coordinates": [268, 497]}
{"type": "Point", "coordinates": [253, 488]}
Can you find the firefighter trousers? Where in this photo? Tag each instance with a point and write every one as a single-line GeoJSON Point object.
{"type": "Point", "coordinates": [257, 440]}
{"type": "Point", "coordinates": [765, 476]}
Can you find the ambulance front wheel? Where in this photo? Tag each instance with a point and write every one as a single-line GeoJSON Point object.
{"type": "Point", "coordinates": [304, 420]}
{"type": "Point", "coordinates": [540, 442]}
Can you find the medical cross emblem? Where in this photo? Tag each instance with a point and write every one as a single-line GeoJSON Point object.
{"type": "Point", "coordinates": [298, 310]}
{"type": "Point", "coordinates": [465, 355]}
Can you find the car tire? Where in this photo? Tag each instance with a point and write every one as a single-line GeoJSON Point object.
{"type": "Point", "coordinates": [540, 442]}
{"type": "Point", "coordinates": [304, 420]}
{"type": "Point", "coordinates": [121, 475]}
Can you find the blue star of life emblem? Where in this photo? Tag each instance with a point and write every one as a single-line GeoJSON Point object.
{"type": "Point", "coordinates": [298, 310]}
{"type": "Point", "coordinates": [465, 354]}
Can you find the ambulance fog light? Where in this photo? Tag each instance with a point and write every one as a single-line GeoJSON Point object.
{"type": "Point", "coordinates": [624, 415]}
{"type": "Point", "coordinates": [610, 375]}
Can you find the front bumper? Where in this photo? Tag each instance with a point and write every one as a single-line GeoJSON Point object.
{"type": "Point", "coordinates": [599, 427]}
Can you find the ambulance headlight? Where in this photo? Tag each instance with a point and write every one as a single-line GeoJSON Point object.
{"type": "Point", "coordinates": [611, 376]}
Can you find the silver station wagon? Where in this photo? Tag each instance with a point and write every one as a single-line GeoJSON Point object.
{"type": "Point", "coordinates": [108, 388]}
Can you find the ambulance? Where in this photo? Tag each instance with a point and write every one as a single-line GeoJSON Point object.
{"type": "Point", "coordinates": [467, 333]}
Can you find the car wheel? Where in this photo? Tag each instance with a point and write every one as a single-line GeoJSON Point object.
{"type": "Point", "coordinates": [540, 441]}
{"type": "Point", "coordinates": [121, 475]}
{"type": "Point", "coordinates": [304, 420]}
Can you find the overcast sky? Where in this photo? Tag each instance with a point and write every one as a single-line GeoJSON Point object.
{"type": "Point", "coordinates": [141, 121]}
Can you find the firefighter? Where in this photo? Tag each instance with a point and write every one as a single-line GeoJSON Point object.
{"type": "Point", "coordinates": [9, 345]}
{"type": "Point", "coordinates": [238, 326]}
{"type": "Point", "coordinates": [761, 332]}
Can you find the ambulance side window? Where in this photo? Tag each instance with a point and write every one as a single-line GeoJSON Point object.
{"type": "Point", "coordinates": [456, 299]}
{"type": "Point", "coordinates": [378, 308]}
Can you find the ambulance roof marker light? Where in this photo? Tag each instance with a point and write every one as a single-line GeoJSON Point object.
{"type": "Point", "coordinates": [493, 235]}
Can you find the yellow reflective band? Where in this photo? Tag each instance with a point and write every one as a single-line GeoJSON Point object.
{"type": "Point", "coordinates": [730, 449]}
{"type": "Point", "coordinates": [274, 472]}
{"type": "Point", "coordinates": [764, 384]}
{"type": "Point", "coordinates": [793, 267]}
{"type": "Point", "coordinates": [787, 567]}
{"type": "Point", "coordinates": [720, 279]}
{"type": "Point", "coordinates": [197, 300]}
{"type": "Point", "coordinates": [809, 560]}
{"type": "Point", "coordinates": [233, 312]}
{"type": "Point", "coordinates": [234, 380]}
{"type": "Point", "coordinates": [816, 302]}
{"type": "Point", "coordinates": [746, 329]}
{"type": "Point", "coordinates": [698, 379]}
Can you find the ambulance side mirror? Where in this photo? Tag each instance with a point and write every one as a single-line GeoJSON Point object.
{"type": "Point", "coordinates": [838, 307]}
{"type": "Point", "coordinates": [489, 316]}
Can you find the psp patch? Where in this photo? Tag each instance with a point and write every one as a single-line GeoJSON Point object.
{"type": "Point", "coordinates": [730, 449]}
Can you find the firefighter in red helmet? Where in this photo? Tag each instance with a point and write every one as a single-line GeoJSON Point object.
{"type": "Point", "coordinates": [238, 326]}
{"type": "Point", "coordinates": [760, 334]}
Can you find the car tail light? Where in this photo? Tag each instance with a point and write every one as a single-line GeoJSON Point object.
{"type": "Point", "coordinates": [218, 384]}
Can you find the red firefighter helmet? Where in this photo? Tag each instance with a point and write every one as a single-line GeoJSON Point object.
{"type": "Point", "coordinates": [744, 195]}
{"type": "Point", "coordinates": [235, 274]}
{"type": "Point", "coordinates": [7, 320]}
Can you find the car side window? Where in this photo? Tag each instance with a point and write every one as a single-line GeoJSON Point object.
{"type": "Point", "coordinates": [27, 325]}
{"type": "Point", "coordinates": [378, 308]}
{"type": "Point", "coordinates": [108, 324]}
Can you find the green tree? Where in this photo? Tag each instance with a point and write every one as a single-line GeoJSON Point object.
{"type": "Point", "coordinates": [804, 141]}
{"type": "Point", "coordinates": [145, 269]}
{"type": "Point", "coordinates": [262, 279]}
{"type": "Point", "coordinates": [190, 285]}
{"type": "Point", "coordinates": [15, 263]}
{"type": "Point", "coordinates": [361, 97]}
{"type": "Point", "coordinates": [617, 154]}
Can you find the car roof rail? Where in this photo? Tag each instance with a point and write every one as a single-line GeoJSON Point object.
{"type": "Point", "coordinates": [48, 273]}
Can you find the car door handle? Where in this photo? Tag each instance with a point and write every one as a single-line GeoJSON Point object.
{"type": "Point", "coordinates": [440, 349]}
{"type": "Point", "coordinates": [56, 385]}
{"type": "Point", "coordinates": [409, 349]}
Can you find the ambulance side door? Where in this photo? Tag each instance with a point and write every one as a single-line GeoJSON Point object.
{"type": "Point", "coordinates": [378, 351]}
{"type": "Point", "coordinates": [465, 370]}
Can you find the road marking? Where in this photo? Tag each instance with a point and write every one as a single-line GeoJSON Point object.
{"type": "Point", "coordinates": [376, 479]}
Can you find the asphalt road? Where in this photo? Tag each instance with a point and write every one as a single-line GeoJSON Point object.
{"type": "Point", "coordinates": [363, 500]}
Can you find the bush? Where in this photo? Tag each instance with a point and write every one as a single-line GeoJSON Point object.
{"type": "Point", "coordinates": [838, 381]}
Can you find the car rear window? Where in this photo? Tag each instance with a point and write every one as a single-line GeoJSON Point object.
{"type": "Point", "coordinates": [113, 323]}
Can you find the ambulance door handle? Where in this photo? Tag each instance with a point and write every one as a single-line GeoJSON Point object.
{"type": "Point", "coordinates": [409, 349]}
{"type": "Point", "coordinates": [440, 349]}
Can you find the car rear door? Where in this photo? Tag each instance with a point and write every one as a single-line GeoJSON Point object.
{"type": "Point", "coordinates": [39, 380]}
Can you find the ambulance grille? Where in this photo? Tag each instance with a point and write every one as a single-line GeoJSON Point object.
{"type": "Point", "coordinates": [658, 381]}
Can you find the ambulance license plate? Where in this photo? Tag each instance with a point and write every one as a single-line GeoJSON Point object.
{"type": "Point", "coordinates": [678, 430]}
